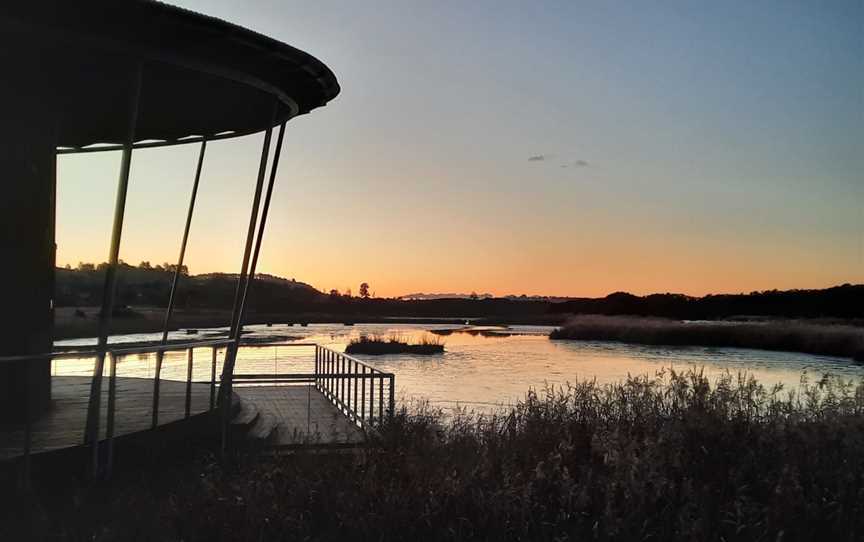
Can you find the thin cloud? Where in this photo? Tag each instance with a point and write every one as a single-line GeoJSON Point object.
{"type": "Point", "coordinates": [537, 158]}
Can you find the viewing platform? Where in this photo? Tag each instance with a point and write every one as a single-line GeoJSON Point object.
{"type": "Point", "coordinates": [283, 396]}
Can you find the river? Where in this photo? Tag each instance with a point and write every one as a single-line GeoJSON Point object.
{"type": "Point", "coordinates": [484, 368]}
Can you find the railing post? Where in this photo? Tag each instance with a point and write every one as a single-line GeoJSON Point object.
{"type": "Point", "coordinates": [348, 377]}
{"type": "Point", "coordinates": [157, 379]}
{"type": "Point", "coordinates": [371, 399]}
{"type": "Point", "coordinates": [380, 398]}
{"type": "Point", "coordinates": [189, 382]}
{"type": "Point", "coordinates": [363, 394]}
{"type": "Point", "coordinates": [24, 482]}
{"type": "Point", "coordinates": [91, 434]}
{"type": "Point", "coordinates": [213, 381]}
{"type": "Point", "coordinates": [354, 377]}
{"type": "Point", "coordinates": [345, 382]}
{"type": "Point", "coordinates": [112, 407]}
{"type": "Point", "coordinates": [392, 401]}
{"type": "Point", "coordinates": [309, 402]}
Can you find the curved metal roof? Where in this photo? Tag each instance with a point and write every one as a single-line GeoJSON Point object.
{"type": "Point", "coordinates": [201, 76]}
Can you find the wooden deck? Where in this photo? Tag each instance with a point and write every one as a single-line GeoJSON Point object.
{"type": "Point", "coordinates": [63, 425]}
{"type": "Point", "coordinates": [298, 415]}
{"type": "Point", "coordinates": [283, 415]}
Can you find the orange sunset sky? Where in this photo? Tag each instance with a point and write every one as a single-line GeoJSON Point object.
{"type": "Point", "coordinates": [576, 150]}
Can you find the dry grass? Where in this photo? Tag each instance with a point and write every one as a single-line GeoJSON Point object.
{"type": "Point", "coordinates": [672, 457]}
{"type": "Point", "coordinates": [793, 336]}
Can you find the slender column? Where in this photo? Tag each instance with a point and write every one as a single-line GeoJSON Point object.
{"type": "Point", "coordinates": [234, 333]}
{"type": "Point", "coordinates": [242, 289]}
{"type": "Point", "coordinates": [261, 226]}
{"type": "Point", "coordinates": [110, 287]}
{"type": "Point", "coordinates": [177, 272]}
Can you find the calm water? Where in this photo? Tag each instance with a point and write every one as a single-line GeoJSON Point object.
{"type": "Point", "coordinates": [484, 371]}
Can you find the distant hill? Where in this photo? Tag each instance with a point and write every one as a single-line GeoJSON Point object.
{"type": "Point", "coordinates": [151, 287]}
{"type": "Point", "coordinates": [272, 294]}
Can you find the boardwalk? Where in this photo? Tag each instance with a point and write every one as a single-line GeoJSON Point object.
{"type": "Point", "coordinates": [296, 415]}
{"type": "Point", "coordinates": [63, 425]}
{"type": "Point", "coordinates": [283, 408]}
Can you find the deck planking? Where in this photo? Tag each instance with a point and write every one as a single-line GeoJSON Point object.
{"type": "Point", "coordinates": [301, 415]}
{"type": "Point", "coordinates": [63, 425]}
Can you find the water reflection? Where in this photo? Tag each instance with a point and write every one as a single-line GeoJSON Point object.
{"type": "Point", "coordinates": [479, 370]}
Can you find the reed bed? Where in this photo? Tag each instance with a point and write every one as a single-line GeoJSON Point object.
{"type": "Point", "coordinates": [669, 457]}
{"type": "Point", "coordinates": [793, 336]}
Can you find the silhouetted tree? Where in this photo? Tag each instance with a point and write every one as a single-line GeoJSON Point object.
{"type": "Point", "coordinates": [170, 267]}
{"type": "Point", "coordinates": [334, 294]}
{"type": "Point", "coordinates": [364, 290]}
{"type": "Point", "coordinates": [145, 265]}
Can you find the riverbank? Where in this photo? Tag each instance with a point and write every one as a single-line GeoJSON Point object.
{"type": "Point", "coordinates": [674, 457]}
{"type": "Point", "coordinates": [83, 322]}
{"type": "Point", "coordinates": [792, 335]}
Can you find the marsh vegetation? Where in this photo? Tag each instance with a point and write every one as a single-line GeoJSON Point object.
{"type": "Point", "coordinates": [795, 336]}
{"type": "Point", "coordinates": [674, 456]}
{"type": "Point", "coordinates": [394, 344]}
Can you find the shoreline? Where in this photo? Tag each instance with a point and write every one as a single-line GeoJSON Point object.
{"type": "Point", "coordinates": [151, 320]}
{"type": "Point", "coordinates": [807, 336]}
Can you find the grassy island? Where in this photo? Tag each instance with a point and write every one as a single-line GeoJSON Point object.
{"type": "Point", "coordinates": [379, 345]}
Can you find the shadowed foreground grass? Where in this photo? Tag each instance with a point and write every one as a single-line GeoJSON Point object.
{"type": "Point", "coordinates": [663, 458]}
{"type": "Point", "coordinates": [792, 336]}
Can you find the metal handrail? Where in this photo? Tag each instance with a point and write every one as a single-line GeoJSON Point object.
{"type": "Point", "coordinates": [148, 349]}
{"type": "Point", "coordinates": [71, 354]}
{"type": "Point", "coordinates": [339, 377]}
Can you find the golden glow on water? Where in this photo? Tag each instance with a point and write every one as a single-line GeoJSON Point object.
{"type": "Point", "coordinates": [481, 372]}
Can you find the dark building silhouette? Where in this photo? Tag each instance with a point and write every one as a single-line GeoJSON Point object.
{"type": "Point", "coordinates": [100, 75]}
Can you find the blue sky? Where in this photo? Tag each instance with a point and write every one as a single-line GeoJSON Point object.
{"type": "Point", "coordinates": [687, 146]}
